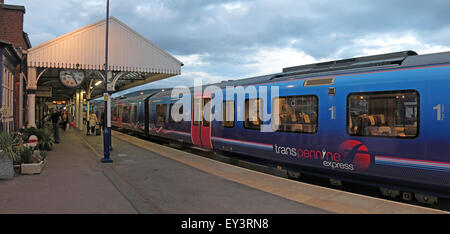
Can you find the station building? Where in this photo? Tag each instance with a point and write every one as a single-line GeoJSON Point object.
{"type": "Point", "coordinates": [35, 78]}
{"type": "Point", "coordinates": [14, 44]}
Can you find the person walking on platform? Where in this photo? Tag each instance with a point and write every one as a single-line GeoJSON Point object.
{"type": "Point", "coordinates": [64, 120]}
{"type": "Point", "coordinates": [55, 118]}
{"type": "Point", "coordinates": [92, 123]}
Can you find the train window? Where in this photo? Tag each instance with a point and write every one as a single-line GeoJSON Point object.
{"type": "Point", "coordinates": [197, 111]}
{"type": "Point", "coordinates": [383, 114]}
{"type": "Point", "coordinates": [206, 111]}
{"type": "Point", "coordinates": [295, 114]}
{"type": "Point", "coordinates": [161, 112]}
{"type": "Point", "coordinates": [133, 113]}
{"type": "Point", "coordinates": [175, 117]}
{"type": "Point", "coordinates": [252, 114]}
{"type": "Point", "coordinates": [119, 111]}
{"type": "Point", "coordinates": [228, 114]}
{"type": "Point", "coordinates": [114, 113]}
{"type": "Point", "coordinates": [126, 114]}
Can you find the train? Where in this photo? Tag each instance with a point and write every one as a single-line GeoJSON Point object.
{"type": "Point", "coordinates": [380, 120]}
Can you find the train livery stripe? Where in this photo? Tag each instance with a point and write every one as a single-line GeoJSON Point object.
{"type": "Point", "coordinates": [244, 143]}
{"type": "Point", "coordinates": [412, 163]}
{"type": "Point", "coordinates": [164, 131]}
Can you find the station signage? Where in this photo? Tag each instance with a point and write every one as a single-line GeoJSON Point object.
{"type": "Point", "coordinates": [44, 91]}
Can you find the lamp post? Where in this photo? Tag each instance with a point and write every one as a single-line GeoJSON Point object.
{"type": "Point", "coordinates": [107, 114]}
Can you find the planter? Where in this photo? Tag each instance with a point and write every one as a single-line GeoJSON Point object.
{"type": "Point", "coordinates": [6, 168]}
{"type": "Point", "coordinates": [32, 168]}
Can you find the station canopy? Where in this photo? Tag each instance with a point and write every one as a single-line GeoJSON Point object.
{"type": "Point", "coordinates": [133, 59]}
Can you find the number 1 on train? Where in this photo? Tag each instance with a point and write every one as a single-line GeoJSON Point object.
{"type": "Point", "coordinates": [438, 109]}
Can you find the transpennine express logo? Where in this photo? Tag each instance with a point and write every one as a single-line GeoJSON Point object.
{"type": "Point", "coordinates": [351, 155]}
{"type": "Point", "coordinates": [359, 152]}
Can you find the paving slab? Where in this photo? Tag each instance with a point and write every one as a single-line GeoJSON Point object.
{"type": "Point", "coordinates": [72, 182]}
{"type": "Point", "coordinates": [170, 186]}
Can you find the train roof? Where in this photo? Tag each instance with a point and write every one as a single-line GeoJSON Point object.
{"type": "Point", "coordinates": [395, 60]}
{"type": "Point", "coordinates": [401, 59]}
{"type": "Point", "coordinates": [140, 93]}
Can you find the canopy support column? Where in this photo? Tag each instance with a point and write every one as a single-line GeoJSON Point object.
{"type": "Point", "coordinates": [31, 96]}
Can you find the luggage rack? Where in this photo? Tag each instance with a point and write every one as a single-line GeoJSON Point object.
{"type": "Point", "coordinates": [360, 63]}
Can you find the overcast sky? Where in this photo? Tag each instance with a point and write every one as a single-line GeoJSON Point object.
{"type": "Point", "coordinates": [228, 39]}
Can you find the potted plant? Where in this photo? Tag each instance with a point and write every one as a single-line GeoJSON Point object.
{"type": "Point", "coordinates": [27, 132]}
{"type": "Point", "coordinates": [45, 141]}
{"type": "Point", "coordinates": [33, 161]}
{"type": "Point", "coordinates": [8, 154]}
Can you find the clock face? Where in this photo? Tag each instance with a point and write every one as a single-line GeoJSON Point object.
{"type": "Point", "coordinates": [71, 78]}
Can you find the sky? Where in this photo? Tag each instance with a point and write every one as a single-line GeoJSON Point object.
{"type": "Point", "coordinates": [228, 40]}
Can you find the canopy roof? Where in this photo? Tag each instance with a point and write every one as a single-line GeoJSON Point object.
{"type": "Point", "coordinates": [132, 59]}
{"type": "Point", "coordinates": [85, 49]}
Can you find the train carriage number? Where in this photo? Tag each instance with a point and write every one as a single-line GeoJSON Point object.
{"type": "Point", "coordinates": [439, 111]}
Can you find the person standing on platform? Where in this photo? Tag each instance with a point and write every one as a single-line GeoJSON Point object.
{"type": "Point", "coordinates": [65, 120]}
{"type": "Point", "coordinates": [56, 118]}
{"type": "Point", "coordinates": [92, 123]}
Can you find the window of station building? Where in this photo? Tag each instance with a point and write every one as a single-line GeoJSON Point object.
{"type": "Point", "coordinates": [295, 114]}
{"type": "Point", "coordinates": [228, 114]}
{"type": "Point", "coordinates": [7, 105]}
{"type": "Point", "coordinates": [383, 114]}
{"type": "Point", "coordinates": [175, 117]}
{"type": "Point", "coordinates": [161, 113]}
{"type": "Point", "coordinates": [252, 114]}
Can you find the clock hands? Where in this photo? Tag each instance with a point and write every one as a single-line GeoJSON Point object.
{"type": "Point", "coordinates": [73, 78]}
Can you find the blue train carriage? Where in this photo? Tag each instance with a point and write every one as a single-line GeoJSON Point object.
{"type": "Point", "coordinates": [161, 121]}
{"type": "Point", "coordinates": [130, 111]}
{"type": "Point", "coordinates": [378, 119]}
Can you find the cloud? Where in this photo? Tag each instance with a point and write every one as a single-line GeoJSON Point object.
{"type": "Point", "coordinates": [241, 38]}
{"type": "Point", "coordinates": [270, 60]}
{"type": "Point", "coordinates": [193, 60]}
{"type": "Point", "coordinates": [154, 10]}
{"type": "Point", "coordinates": [392, 42]}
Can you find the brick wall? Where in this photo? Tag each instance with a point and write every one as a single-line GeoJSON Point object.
{"type": "Point", "coordinates": [11, 30]}
{"type": "Point", "coordinates": [11, 26]}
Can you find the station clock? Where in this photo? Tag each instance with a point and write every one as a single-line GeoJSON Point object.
{"type": "Point", "coordinates": [71, 78]}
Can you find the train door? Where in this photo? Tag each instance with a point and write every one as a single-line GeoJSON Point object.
{"type": "Point", "coordinates": [146, 115]}
{"type": "Point", "coordinates": [201, 123]}
{"type": "Point", "coordinates": [206, 122]}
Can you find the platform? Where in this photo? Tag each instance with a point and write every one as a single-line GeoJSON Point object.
{"type": "Point", "coordinates": [151, 178]}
